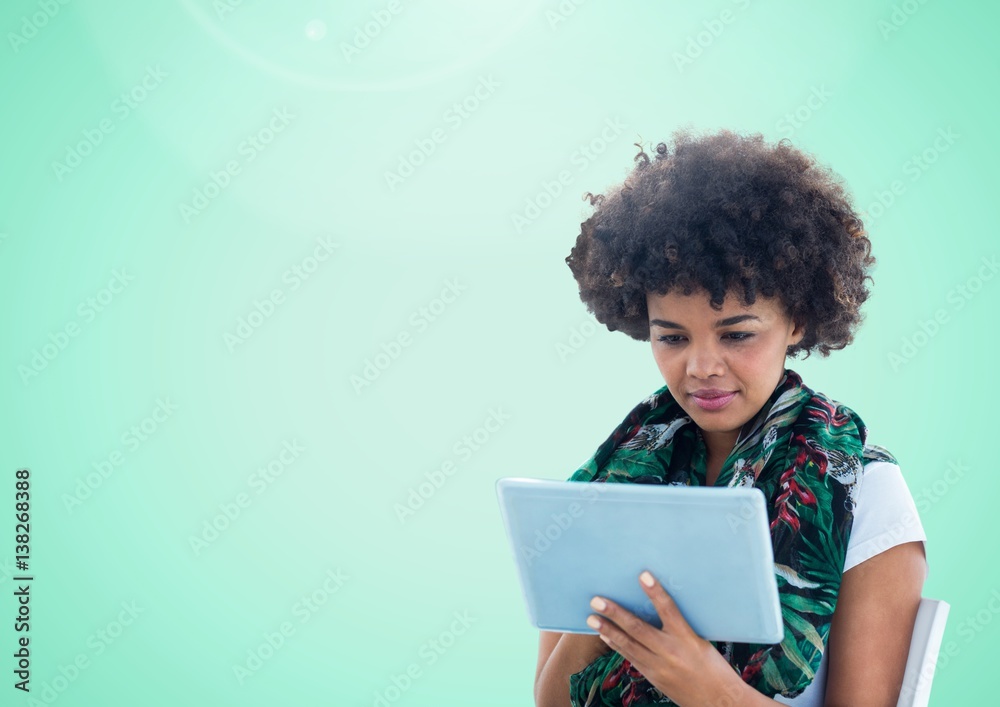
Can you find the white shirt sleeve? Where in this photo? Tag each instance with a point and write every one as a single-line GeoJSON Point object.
{"type": "Point", "coordinates": [885, 514]}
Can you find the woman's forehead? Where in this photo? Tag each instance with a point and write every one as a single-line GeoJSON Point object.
{"type": "Point", "coordinates": [697, 307]}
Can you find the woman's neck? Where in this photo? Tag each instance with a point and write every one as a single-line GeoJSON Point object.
{"type": "Point", "coordinates": [719, 445]}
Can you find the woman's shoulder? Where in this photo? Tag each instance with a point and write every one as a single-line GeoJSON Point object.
{"type": "Point", "coordinates": [874, 453]}
{"type": "Point", "coordinates": [886, 514]}
{"type": "Point", "coordinates": [836, 414]}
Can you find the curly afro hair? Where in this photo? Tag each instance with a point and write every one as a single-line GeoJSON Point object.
{"type": "Point", "coordinates": [726, 213]}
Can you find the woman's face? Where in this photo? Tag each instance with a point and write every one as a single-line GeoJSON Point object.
{"type": "Point", "coordinates": [720, 366]}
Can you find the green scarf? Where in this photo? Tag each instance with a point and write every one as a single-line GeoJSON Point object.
{"type": "Point", "coordinates": [806, 453]}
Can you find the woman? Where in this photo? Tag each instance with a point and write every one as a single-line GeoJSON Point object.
{"type": "Point", "coordinates": [729, 254]}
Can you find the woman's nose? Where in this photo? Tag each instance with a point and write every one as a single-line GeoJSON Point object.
{"type": "Point", "coordinates": [705, 360]}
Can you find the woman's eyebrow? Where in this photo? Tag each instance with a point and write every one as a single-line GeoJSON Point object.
{"type": "Point", "coordinates": [728, 321]}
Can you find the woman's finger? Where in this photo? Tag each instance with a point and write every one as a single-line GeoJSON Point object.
{"type": "Point", "coordinates": [666, 608]}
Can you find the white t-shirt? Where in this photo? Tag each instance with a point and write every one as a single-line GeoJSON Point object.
{"type": "Point", "coordinates": [885, 516]}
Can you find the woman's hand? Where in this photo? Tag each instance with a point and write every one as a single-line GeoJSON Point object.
{"type": "Point", "coordinates": [675, 660]}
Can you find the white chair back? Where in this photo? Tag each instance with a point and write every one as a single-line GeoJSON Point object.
{"type": "Point", "coordinates": [928, 630]}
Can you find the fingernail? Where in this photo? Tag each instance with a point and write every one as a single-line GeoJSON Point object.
{"type": "Point", "coordinates": [646, 578]}
{"type": "Point", "coordinates": [593, 622]}
{"type": "Point", "coordinates": [599, 603]}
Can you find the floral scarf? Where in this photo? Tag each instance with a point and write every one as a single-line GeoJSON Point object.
{"type": "Point", "coordinates": [806, 453]}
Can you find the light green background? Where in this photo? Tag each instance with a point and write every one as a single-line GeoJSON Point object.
{"type": "Point", "coordinates": [880, 95]}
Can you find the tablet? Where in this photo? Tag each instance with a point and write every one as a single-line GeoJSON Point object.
{"type": "Point", "coordinates": [710, 548]}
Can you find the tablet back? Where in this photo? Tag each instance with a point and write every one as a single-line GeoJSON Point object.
{"type": "Point", "coordinates": [709, 547]}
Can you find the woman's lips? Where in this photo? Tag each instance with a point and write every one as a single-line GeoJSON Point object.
{"type": "Point", "coordinates": [714, 402]}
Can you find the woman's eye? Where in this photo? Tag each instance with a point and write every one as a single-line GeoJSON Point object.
{"type": "Point", "coordinates": [670, 339]}
{"type": "Point", "coordinates": [675, 339]}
